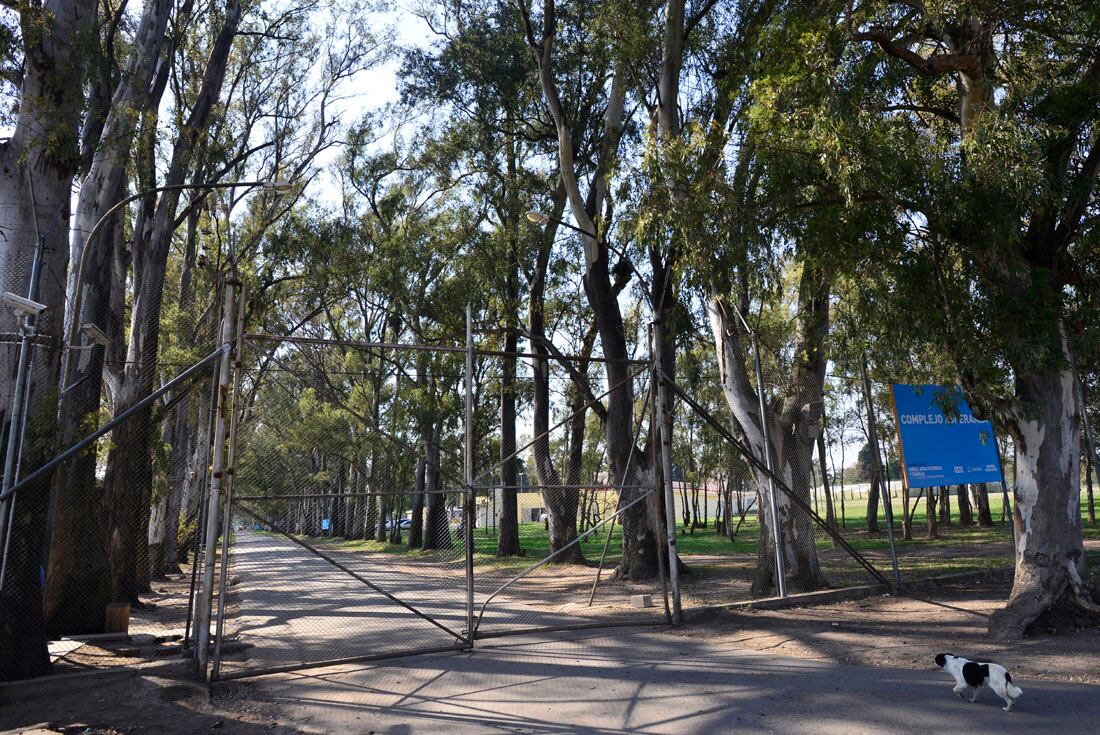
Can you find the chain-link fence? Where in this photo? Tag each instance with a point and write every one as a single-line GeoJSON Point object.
{"type": "Point", "coordinates": [377, 498]}
{"type": "Point", "coordinates": [106, 447]}
{"type": "Point", "coordinates": [846, 516]}
{"type": "Point", "coordinates": [392, 498]}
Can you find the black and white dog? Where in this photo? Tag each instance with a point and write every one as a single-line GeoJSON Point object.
{"type": "Point", "coordinates": [971, 676]}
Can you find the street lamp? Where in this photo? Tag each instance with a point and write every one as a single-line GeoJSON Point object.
{"type": "Point", "coordinates": [276, 186]}
{"type": "Point", "coordinates": [544, 219]}
{"type": "Point", "coordinates": [539, 218]}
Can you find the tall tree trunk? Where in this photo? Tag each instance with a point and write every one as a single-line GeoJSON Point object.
{"type": "Point", "coordinates": [437, 530]}
{"type": "Point", "coordinates": [1052, 586]}
{"type": "Point", "coordinates": [985, 517]}
{"type": "Point", "coordinates": [130, 469]}
{"type": "Point", "coordinates": [561, 504]}
{"type": "Point", "coordinates": [945, 506]}
{"type": "Point", "coordinates": [416, 527]}
{"type": "Point", "coordinates": [830, 511]}
{"type": "Point", "coordinates": [37, 165]}
{"type": "Point", "coordinates": [966, 516]}
{"type": "Point", "coordinates": [180, 422]}
{"type": "Point", "coordinates": [872, 506]}
{"type": "Point", "coordinates": [508, 538]}
{"type": "Point", "coordinates": [628, 465]}
{"type": "Point", "coordinates": [77, 588]}
{"type": "Point", "coordinates": [930, 511]}
{"type": "Point", "coordinates": [792, 432]}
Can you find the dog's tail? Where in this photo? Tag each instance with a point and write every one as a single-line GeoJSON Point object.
{"type": "Point", "coordinates": [1013, 690]}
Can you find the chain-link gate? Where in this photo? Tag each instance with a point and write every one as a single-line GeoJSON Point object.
{"type": "Point", "coordinates": [359, 527]}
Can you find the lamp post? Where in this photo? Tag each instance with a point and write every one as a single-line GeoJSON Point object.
{"type": "Point", "coordinates": [664, 423]}
{"type": "Point", "coordinates": [279, 187]}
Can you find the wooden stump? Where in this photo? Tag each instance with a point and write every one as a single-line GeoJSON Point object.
{"type": "Point", "coordinates": [117, 618]}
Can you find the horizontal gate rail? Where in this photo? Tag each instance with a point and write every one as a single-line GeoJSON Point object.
{"type": "Point", "coordinates": [268, 670]}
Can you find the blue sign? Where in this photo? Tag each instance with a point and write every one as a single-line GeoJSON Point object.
{"type": "Point", "coordinates": [325, 524]}
{"type": "Point", "coordinates": [941, 441]}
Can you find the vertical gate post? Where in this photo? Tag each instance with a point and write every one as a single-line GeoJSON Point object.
{"type": "Point", "coordinates": [876, 470]}
{"type": "Point", "coordinates": [230, 481]}
{"type": "Point", "coordinates": [202, 638]}
{"type": "Point", "coordinates": [468, 466]}
{"type": "Point", "coordinates": [663, 432]}
{"type": "Point", "coordinates": [773, 505]}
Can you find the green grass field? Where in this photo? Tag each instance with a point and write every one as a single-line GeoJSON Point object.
{"type": "Point", "coordinates": [958, 548]}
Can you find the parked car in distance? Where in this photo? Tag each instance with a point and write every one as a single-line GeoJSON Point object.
{"type": "Point", "coordinates": [402, 524]}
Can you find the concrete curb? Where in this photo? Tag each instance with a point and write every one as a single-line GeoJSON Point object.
{"type": "Point", "coordinates": [45, 686]}
{"type": "Point", "coordinates": [843, 594]}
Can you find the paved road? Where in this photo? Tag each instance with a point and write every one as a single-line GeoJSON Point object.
{"type": "Point", "coordinates": [645, 681]}
{"type": "Point", "coordinates": [292, 607]}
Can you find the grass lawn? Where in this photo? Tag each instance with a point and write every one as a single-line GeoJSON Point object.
{"type": "Point", "coordinates": [958, 549]}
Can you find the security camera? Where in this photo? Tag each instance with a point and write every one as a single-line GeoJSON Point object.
{"type": "Point", "coordinates": [22, 304]}
{"type": "Point", "coordinates": [95, 334]}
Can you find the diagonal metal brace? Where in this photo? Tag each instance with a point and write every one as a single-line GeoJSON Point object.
{"type": "Point", "coordinates": [352, 574]}
{"type": "Point", "coordinates": [759, 466]}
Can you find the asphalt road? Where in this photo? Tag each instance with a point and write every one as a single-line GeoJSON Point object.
{"type": "Point", "coordinates": [649, 680]}
{"type": "Point", "coordinates": [291, 607]}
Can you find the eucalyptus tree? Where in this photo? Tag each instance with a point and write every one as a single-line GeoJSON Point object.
{"type": "Point", "coordinates": [46, 61]}
{"type": "Point", "coordinates": [78, 574]}
{"type": "Point", "coordinates": [597, 74]}
{"type": "Point", "coordinates": [487, 98]}
{"type": "Point", "coordinates": [1002, 105]}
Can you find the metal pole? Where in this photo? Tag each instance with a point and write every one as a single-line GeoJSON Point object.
{"type": "Point", "coordinates": [231, 472]}
{"type": "Point", "coordinates": [18, 415]}
{"type": "Point", "coordinates": [777, 534]}
{"type": "Point", "coordinates": [191, 632]}
{"type": "Point", "coordinates": [1090, 446]}
{"type": "Point", "coordinates": [663, 429]}
{"type": "Point", "coordinates": [202, 639]}
{"type": "Point", "coordinates": [469, 474]}
{"type": "Point", "coordinates": [876, 470]}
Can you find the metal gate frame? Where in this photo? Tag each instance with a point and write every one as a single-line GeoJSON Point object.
{"type": "Point", "coordinates": [221, 505]}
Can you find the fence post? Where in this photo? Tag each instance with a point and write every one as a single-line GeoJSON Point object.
{"type": "Point", "coordinates": [663, 433]}
{"type": "Point", "coordinates": [777, 532]}
{"type": "Point", "coordinates": [206, 599]}
{"type": "Point", "coordinates": [18, 410]}
{"type": "Point", "coordinates": [230, 475]}
{"type": "Point", "coordinates": [876, 470]}
{"type": "Point", "coordinates": [468, 466]}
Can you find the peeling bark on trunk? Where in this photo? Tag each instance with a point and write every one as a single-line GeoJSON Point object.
{"type": "Point", "coordinates": [37, 165]}
{"type": "Point", "coordinates": [966, 516]}
{"type": "Point", "coordinates": [628, 464]}
{"type": "Point", "coordinates": [1052, 587]}
{"type": "Point", "coordinates": [562, 505]}
{"type": "Point", "coordinates": [793, 432]}
{"type": "Point", "coordinates": [130, 470]}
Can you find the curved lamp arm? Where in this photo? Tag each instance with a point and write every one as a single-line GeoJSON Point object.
{"type": "Point", "coordinates": [280, 187]}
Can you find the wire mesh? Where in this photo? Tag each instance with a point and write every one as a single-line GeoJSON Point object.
{"type": "Point", "coordinates": [821, 451]}
{"type": "Point", "coordinates": [350, 507]}
{"type": "Point", "coordinates": [567, 534]}
{"type": "Point", "coordinates": [123, 515]}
